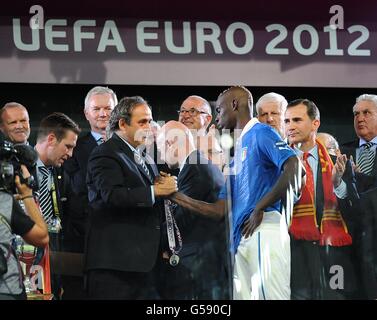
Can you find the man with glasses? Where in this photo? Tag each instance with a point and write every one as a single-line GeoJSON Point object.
{"type": "Point", "coordinates": [196, 114]}
{"type": "Point", "coordinates": [258, 238]}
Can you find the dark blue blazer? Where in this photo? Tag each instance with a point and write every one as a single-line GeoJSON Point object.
{"type": "Point", "coordinates": [124, 223]}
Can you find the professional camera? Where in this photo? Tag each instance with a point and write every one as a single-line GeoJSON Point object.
{"type": "Point", "coordinates": [12, 156]}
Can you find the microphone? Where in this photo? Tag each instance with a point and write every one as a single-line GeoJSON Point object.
{"type": "Point", "coordinates": [26, 155]}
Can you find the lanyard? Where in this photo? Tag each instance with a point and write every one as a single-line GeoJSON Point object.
{"type": "Point", "coordinates": [54, 199]}
{"type": "Point", "coordinates": [171, 224]}
{"type": "Point", "coordinates": [55, 225]}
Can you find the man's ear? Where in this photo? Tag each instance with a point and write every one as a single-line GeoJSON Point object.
{"type": "Point", "coordinates": [122, 124]}
{"type": "Point", "coordinates": [234, 104]}
{"type": "Point", "coordinates": [316, 124]}
{"type": "Point", "coordinates": [51, 139]}
{"type": "Point", "coordinates": [85, 112]}
{"type": "Point", "coordinates": [209, 119]}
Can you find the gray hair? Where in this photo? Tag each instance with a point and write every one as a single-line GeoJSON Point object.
{"type": "Point", "coordinates": [100, 90]}
{"type": "Point", "coordinates": [123, 110]}
{"type": "Point", "coordinates": [273, 97]}
{"type": "Point", "coordinates": [366, 97]}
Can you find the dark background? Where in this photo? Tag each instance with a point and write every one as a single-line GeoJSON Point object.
{"type": "Point", "coordinates": [335, 104]}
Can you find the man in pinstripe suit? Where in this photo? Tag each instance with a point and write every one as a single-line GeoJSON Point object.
{"type": "Point", "coordinates": [361, 213]}
{"type": "Point", "coordinates": [57, 136]}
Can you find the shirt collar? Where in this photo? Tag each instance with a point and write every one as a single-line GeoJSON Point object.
{"type": "Point", "coordinates": [249, 125]}
{"type": "Point", "coordinates": [96, 135]}
{"type": "Point", "coordinates": [313, 152]}
{"type": "Point", "coordinates": [129, 145]}
{"type": "Point", "coordinates": [362, 141]}
{"type": "Point", "coordinates": [41, 164]}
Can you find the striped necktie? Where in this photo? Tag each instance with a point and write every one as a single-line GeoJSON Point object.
{"type": "Point", "coordinates": [100, 141]}
{"type": "Point", "coordinates": [141, 161]}
{"type": "Point", "coordinates": [366, 158]}
{"type": "Point", "coordinates": [45, 200]}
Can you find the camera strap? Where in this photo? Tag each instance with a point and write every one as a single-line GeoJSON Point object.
{"type": "Point", "coordinates": [4, 259]}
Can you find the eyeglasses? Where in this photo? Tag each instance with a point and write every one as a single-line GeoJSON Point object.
{"type": "Point", "coordinates": [192, 112]}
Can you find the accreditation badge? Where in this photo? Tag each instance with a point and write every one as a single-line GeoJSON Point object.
{"type": "Point", "coordinates": [54, 225]}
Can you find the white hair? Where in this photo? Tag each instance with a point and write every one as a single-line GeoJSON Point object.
{"type": "Point", "coordinates": [100, 90]}
{"type": "Point", "coordinates": [366, 97]}
{"type": "Point", "coordinates": [273, 97]}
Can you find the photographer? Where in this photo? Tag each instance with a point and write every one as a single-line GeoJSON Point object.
{"type": "Point", "coordinates": [13, 221]}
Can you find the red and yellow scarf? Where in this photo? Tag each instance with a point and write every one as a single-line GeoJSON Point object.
{"type": "Point", "coordinates": [333, 230]}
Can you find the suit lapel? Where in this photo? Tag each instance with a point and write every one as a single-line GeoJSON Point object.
{"type": "Point", "coordinates": [319, 193]}
{"type": "Point", "coordinates": [89, 139]}
{"type": "Point", "coordinates": [194, 158]}
{"type": "Point", "coordinates": [353, 149]}
{"type": "Point", "coordinates": [89, 143]}
{"type": "Point", "coordinates": [151, 166]}
{"type": "Point", "coordinates": [374, 170]}
{"type": "Point", "coordinates": [130, 154]}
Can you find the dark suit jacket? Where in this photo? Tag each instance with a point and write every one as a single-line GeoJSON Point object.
{"type": "Point", "coordinates": [353, 209]}
{"type": "Point", "coordinates": [124, 224]}
{"type": "Point", "coordinates": [201, 273]}
{"type": "Point", "coordinates": [361, 216]}
{"type": "Point", "coordinates": [202, 182]}
{"type": "Point", "coordinates": [363, 182]}
{"type": "Point", "coordinates": [317, 261]}
{"type": "Point", "coordinates": [76, 206]}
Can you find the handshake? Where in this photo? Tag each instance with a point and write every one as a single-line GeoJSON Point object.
{"type": "Point", "coordinates": [165, 185]}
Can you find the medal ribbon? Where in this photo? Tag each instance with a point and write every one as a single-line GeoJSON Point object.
{"type": "Point", "coordinates": [171, 224]}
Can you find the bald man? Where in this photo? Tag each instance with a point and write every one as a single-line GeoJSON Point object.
{"type": "Point", "coordinates": [14, 122]}
{"type": "Point", "coordinates": [264, 168]}
{"type": "Point", "coordinates": [195, 113]}
{"type": "Point", "coordinates": [201, 272]}
{"type": "Point", "coordinates": [329, 142]}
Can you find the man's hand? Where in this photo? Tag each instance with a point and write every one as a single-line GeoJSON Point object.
{"type": "Point", "coordinates": [23, 189]}
{"type": "Point", "coordinates": [338, 169]}
{"type": "Point", "coordinates": [252, 222]}
{"type": "Point", "coordinates": [160, 179]}
{"type": "Point", "coordinates": [165, 186]}
{"type": "Point", "coordinates": [354, 166]}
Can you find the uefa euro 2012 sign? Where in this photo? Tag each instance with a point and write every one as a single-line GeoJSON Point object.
{"type": "Point", "coordinates": [129, 36]}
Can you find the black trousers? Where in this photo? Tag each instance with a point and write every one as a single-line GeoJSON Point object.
{"type": "Point", "coordinates": [194, 278]}
{"type": "Point", "coordinates": [313, 268]}
{"type": "Point", "coordinates": [107, 284]}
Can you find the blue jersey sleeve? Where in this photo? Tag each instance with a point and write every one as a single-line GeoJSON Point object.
{"type": "Point", "coordinates": [273, 147]}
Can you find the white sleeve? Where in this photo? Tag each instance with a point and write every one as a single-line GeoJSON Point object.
{"type": "Point", "coordinates": [341, 190]}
